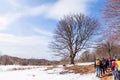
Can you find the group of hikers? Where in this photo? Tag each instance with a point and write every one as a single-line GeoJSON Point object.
{"type": "Point", "coordinates": [102, 66]}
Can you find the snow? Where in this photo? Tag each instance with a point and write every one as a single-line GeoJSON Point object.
{"type": "Point", "coordinates": [10, 67]}
{"type": "Point", "coordinates": [87, 63]}
{"type": "Point", "coordinates": [41, 73]}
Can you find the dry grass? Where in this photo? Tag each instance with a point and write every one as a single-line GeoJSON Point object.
{"type": "Point", "coordinates": [88, 69]}
{"type": "Point", "coordinates": [51, 67]}
{"type": "Point", "coordinates": [107, 78]}
{"type": "Point", "coordinates": [81, 69]}
{"type": "Point", "coordinates": [16, 69]}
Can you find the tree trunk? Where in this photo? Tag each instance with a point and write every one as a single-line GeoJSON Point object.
{"type": "Point", "coordinates": [109, 52]}
{"type": "Point", "coordinates": [72, 59]}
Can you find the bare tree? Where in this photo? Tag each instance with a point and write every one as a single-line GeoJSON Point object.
{"type": "Point", "coordinates": [107, 48]}
{"type": "Point", "coordinates": [112, 15]}
{"type": "Point", "coordinates": [72, 34]}
{"type": "Point", "coordinates": [85, 56]}
{"type": "Point", "coordinates": [112, 11]}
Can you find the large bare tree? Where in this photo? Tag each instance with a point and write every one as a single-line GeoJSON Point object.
{"type": "Point", "coordinates": [72, 34]}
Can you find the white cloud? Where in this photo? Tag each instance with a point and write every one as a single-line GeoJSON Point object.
{"type": "Point", "coordinates": [35, 11]}
{"type": "Point", "coordinates": [50, 10]}
{"type": "Point", "coordinates": [43, 32]}
{"type": "Point", "coordinates": [24, 46]}
{"type": "Point", "coordinates": [58, 9]}
{"type": "Point", "coordinates": [9, 18]}
{"type": "Point", "coordinates": [14, 3]}
{"type": "Point", "coordinates": [66, 7]}
{"type": "Point", "coordinates": [31, 11]}
{"type": "Point", "coordinates": [10, 39]}
{"type": "Point", "coordinates": [5, 21]}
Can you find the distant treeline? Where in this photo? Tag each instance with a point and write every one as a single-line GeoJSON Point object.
{"type": "Point", "coordinates": [8, 60]}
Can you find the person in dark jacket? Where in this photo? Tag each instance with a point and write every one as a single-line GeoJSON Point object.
{"type": "Point", "coordinates": [103, 66]}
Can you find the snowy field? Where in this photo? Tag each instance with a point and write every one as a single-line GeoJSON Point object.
{"type": "Point", "coordinates": [16, 72]}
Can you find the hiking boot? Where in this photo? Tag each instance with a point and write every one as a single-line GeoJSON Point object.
{"type": "Point", "coordinates": [96, 75]}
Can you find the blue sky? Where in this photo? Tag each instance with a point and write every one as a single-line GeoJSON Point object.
{"type": "Point", "coordinates": [27, 26]}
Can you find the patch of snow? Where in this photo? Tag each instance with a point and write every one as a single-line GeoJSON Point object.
{"type": "Point", "coordinates": [81, 64]}
{"type": "Point", "coordinates": [86, 63]}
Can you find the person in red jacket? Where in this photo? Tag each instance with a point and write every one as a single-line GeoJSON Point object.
{"type": "Point", "coordinates": [114, 69]}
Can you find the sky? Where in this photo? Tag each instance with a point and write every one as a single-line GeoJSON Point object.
{"type": "Point", "coordinates": [27, 26]}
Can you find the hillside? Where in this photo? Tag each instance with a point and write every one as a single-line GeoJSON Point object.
{"type": "Point", "coordinates": [9, 60]}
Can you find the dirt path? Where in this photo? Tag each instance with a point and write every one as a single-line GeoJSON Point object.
{"type": "Point", "coordinates": [107, 76]}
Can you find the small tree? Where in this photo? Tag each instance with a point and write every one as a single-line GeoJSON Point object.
{"type": "Point", "coordinates": [72, 34]}
{"type": "Point", "coordinates": [85, 56]}
{"type": "Point", "coordinates": [107, 46]}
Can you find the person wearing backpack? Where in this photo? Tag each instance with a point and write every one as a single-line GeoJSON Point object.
{"type": "Point", "coordinates": [97, 66]}
{"type": "Point", "coordinates": [118, 69]}
{"type": "Point", "coordinates": [103, 66]}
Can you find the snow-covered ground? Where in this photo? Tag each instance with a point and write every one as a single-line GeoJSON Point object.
{"type": "Point", "coordinates": [41, 73]}
{"type": "Point", "coordinates": [86, 63]}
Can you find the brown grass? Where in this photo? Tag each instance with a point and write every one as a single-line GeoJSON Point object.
{"type": "Point", "coordinates": [88, 69]}
{"type": "Point", "coordinates": [15, 69]}
{"type": "Point", "coordinates": [107, 78]}
{"type": "Point", "coordinates": [81, 69]}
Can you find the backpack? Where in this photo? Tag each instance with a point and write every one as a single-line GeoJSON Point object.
{"type": "Point", "coordinates": [103, 62]}
{"type": "Point", "coordinates": [97, 62]}
{"type": "Point", "coordinates": [113, 65]}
